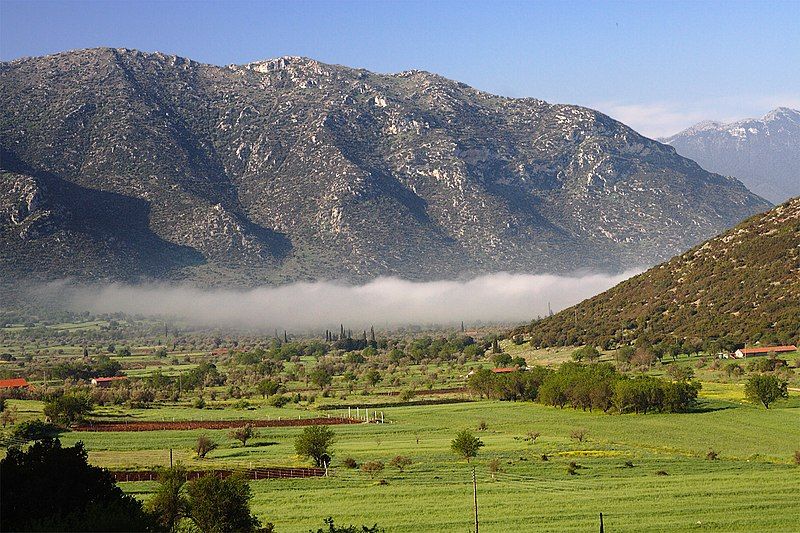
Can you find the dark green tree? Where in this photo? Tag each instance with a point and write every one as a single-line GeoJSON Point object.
{"type": "Point", "coordinates": [314, 443]}
{"type": "Point", "coordinates": [466, 445]}
{"type": "Point", "coordinates": [221, 505]}
{"type": "Point", "coordinates": [169, 503]}
{"type": "Point", "coordinates": [51, 488]}
{"type": "Point", "coordinates": [766, 389]}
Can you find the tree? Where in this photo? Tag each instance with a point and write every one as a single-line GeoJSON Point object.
{"type": "Point", "coordinates": [243, 434]}
{"type": "Point", "coordinates": [373, 377]}
{"type": "Point", "coordinates": [69, 408]}
{"type": "Point", "coordinates": [203, 446]}
{"type": "Point", "coordinates": [220, 505]}
{"type": "Point", "coordinates": [267, 387]}
{"type": "Point", "coordinates": [320, 377]}
{"type": "Point", "coordinates": [51, 488]}
{"type": "Point", "coordinates": [588, 352]}
{"type": "Point", "coordinates": [466, 445]}
{"type": "Point", "coordinates": [314, 443]}
{"type": "Point", "coordinates": [579, 434]}
{"type": "Point", "coordinates": [169, 504]}
{"type": "Point", "coordinates": [372, 467]}
{"type": "Point", "coordinates": [400, 462]}
{"type": "Point", "coordinates": [35, 430]}
{"type": "Point", "coordinates": [765, 389]}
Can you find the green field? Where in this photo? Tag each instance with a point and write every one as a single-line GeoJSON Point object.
{"type": "Point", "coordinates": [752, 487]}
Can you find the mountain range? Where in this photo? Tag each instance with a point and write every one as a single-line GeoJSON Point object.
{"type": "Point", "coordinates": [743, 285]}
{"type": "Point", "coordinates": [763, 153]}
{"type": "Point", "coordinates": [124, 165]}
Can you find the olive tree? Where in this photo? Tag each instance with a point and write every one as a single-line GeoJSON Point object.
{"type": "Point", "coordinates": [314, 443]}
{"type": "Point", "coordinates": [765, 389]}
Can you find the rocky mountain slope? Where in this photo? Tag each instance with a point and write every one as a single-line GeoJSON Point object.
{"type": "Point", "coordinates": [763, 153]}
{"type": "Point", "coordinates": [119, 164]}
{"type": "Point", "coordinates": [743, 284]}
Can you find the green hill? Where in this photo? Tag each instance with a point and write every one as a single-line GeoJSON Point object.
{"type": "Point", "coordinates": [743, 284]}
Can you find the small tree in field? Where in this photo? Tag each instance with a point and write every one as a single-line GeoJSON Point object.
{"type": "Point", "coordinates": [314, 442]}
{"type": "Point", "coordinates": [372, 468]}
{"type": "Point", "coordinates": [466, 445]}
{"type": "Point", "coordinates": [243, 434]}
{"type": "Point", "coordinates": [203, 446]}
{"type": "Point", "coordinates": [765, 389]}
{"type": "Point", "coordinates": [532, 436]}
{"type": "Point", "coordinates": [579, 434]}
{"type": "Point", "coordinates": [400, 462]}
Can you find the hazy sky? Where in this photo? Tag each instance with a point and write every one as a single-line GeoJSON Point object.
{"type": "Point", "coordinates": [658, 66]}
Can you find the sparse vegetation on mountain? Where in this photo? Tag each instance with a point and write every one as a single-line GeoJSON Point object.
{"type": "Point", "coordinates": [740, 287]}
{"type": "Point", "coordinates": [119, 164]}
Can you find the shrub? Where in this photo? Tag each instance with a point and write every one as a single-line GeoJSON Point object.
{"type": "Point", "coordinates": [712, 455]}
{"type": "Point", "coordinates": [372, 468]}
{"type": "Point", "coordinates": [333, 528]}
{"type": "Point", "coordinates": [278, 400]}
{"type": "Point", "coordinates": [482, 425]}
{"type": "Point", "coordinates": [349, 462]}
{"type": "Point", "coordinates": [797, 457]}
{"type": "Point", "coordinates": [243, 434]}
{"type": "Point", "coordinates": [199, 403]}
{"type": "Point", "coordinates": [203, 446]}
{"type": "Point", "coordinates": [400, 462]}
{"type": "Point", "coordinates": [579, 434]}
{"type": "Point", "coordinates": [532, 436]}
{"type": "Point", "coordinates": [494, 466]}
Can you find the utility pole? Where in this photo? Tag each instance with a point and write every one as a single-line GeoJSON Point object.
{"type": "Point", "coordinates": [475, 497]}
{"type": "Point", "coordinates": [170, 457]}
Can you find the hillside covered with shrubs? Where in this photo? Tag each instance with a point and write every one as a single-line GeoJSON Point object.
{"type": "Point", "coordinates": [743, 285]}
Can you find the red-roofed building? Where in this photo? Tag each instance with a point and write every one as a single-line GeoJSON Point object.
{"type": "Point", "coordinates": [15, 383]}
{"type": "Point", "coordinates": [505, 370]}
{"type": "Point", "coordinates": [107, 382]}
{"type": "Point", "coordinates": [741, 353]}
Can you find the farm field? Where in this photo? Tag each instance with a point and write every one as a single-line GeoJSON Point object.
{"type": "Point", "coordinates": [752, 487]}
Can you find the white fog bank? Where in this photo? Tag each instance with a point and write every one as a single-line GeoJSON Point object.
{"type": "Point", "coordinates": [498, 297]}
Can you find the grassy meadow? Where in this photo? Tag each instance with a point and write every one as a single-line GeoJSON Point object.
{"type": "Point", "coordinates": [751, 487]}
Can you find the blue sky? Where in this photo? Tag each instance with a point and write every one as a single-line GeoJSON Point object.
{"type": "Point", "coordinates": [658, 66]}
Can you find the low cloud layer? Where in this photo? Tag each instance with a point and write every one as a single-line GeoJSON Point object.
{"type": "Point", "coordinates": [384, 302]}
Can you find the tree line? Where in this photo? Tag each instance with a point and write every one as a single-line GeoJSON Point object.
{"type": "Point", "coordinates": [596, 386]}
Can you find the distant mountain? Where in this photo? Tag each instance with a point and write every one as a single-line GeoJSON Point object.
{"type": "Point", "coordinates": [743, 284]}
{"type": "Point", "coordinates": [763, 153]}
{"type": "Point", "coordinates": [119, 164]}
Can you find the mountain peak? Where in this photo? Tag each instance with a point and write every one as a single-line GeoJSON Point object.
{"type": "Point", "coordinates": [782, 113]}
{"type": "Point", "coordinates": [760, 152]}
{"type": "Point", "coordinates": [290, 168]}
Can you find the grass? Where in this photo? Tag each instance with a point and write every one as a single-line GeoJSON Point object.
{"type": "Point", "coordinates": [751, 488]}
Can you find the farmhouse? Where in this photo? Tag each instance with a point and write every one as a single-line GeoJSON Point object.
{"type": "Point", "coordinates": [505, 370]}
{"type": "Point", "coordinates": [107, 382]}
{"type": "Point", "coordinates": [15, 383]}
{"type": "Point", "coordinates": [741, 353]}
